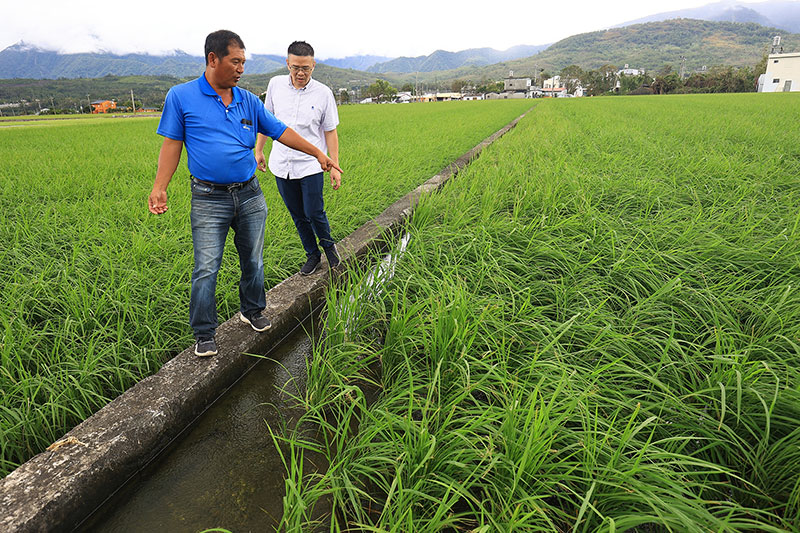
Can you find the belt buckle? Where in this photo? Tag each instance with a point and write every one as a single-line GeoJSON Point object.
{"type": "Point", "coordinates": [233, 186]}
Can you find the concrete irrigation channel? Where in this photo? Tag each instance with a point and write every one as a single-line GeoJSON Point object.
{"type": "Point", "coordinates": [147, 430]}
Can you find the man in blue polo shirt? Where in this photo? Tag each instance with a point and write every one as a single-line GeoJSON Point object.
{"type": "Point", "coordinates": [218, 123]}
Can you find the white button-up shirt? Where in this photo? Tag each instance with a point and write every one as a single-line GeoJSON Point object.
{"type": "Point", "coordinates": [310, 111]}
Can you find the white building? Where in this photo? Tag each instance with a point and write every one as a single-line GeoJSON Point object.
{"type": "Point", "coordinates": [552, 83]}
{"type": "Point", "coordinates": [783, 74]}
{"type": "Point", "coordinates": [627, 71]}
{"type": "Point", "coordinates": [446, 97]}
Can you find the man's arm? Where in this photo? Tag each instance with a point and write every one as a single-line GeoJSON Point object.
{"type": "Point", "coordinates": [332, 140]}
{"type": "Point", "coordinates": [260, 159]}
{"type": "Point", "coordinates": [293, 140]}
{"type": "Point", "coordinates": [168, 160]}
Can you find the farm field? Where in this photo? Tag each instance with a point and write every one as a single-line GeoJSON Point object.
{"type": "Point", "coordinates": [95, 289]}
{"type": "Point", "coordinates": [595, 327]}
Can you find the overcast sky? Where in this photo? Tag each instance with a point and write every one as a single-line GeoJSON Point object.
{"type": "Point", "coordinates": [335, 28]}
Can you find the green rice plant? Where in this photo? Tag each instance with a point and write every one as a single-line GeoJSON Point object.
{"type": "Point", "coordinates": [595, 327]}
{"type": "Point", "coordinates": [96, 289]}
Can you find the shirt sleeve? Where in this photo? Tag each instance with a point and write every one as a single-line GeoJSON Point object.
{"type": "Point", "coordinates": [269, 105]}
{"type": "Point", "coordinates": [331, 119]}
{"type": "Point", "coordinates": [269, 125]}
{"type": "Point", "coordinates": [171, 124]}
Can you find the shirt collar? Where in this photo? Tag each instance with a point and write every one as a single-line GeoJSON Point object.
{"type": "Point", "coordinates": [295, 88]}
{"type": "Point", "coordinates": [208, 90]}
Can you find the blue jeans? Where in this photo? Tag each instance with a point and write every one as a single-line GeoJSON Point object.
{"type": "Point", "coordinates": [303, 199]}
{"type": "Point", "coordinates": [214, 211]}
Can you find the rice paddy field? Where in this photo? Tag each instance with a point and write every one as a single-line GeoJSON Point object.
{"type": "Point", "coordinates": [596, 327]}
{"type": "Point", "coordinates": [95, 290]}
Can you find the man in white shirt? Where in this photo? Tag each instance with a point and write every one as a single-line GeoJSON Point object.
{"type": "Point", "coordinates": [308, 107]}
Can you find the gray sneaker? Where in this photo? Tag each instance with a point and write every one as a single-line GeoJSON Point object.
{"type": "Point", "coordinates": [311, 265]}
{"type": "Point", "coordinates": [205, 347]}
{"type": "Point", "coordinates": [258, 321]}
{"type": "Point", "coordinates": [333, 256]}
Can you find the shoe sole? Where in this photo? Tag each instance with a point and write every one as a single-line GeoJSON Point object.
{"type": "Point", "coordinates": [204, 354]}
{"type": "Point", "coordinates": [247, 321]}
{"type": "Point", "coordinates": [309, 273]}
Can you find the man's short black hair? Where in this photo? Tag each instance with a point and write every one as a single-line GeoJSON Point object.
{"type": "Point", "coordinates": [219, 41]}
{"type": "Point", "coordinates": [301, 48]}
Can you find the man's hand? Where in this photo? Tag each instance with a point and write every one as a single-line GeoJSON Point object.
{"type": "Point", "coordinates": [327, 163]}
{"type": "Point", "coordinates": [157, 202]}
{"type": "Point", "coordinates": [261, 161]}
{"type": "Point", "coordinates": [168, 159]}
{"type": "Point", "coordinates": [336, 179]}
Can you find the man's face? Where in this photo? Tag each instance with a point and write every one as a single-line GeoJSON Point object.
{"type": "Point", "coordinates": [300, 69]}
{"type": "Point", "coordinates": [229, 69]}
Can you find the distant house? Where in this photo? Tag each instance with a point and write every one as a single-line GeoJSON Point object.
{"type": "Point", "coordinates": [554, 92]}
{"type": "Point", "coordinates": [552, 87]}
{"type": "Point", "coordinates": [513, 85]}
{"type": "Point", "coordinates": [147, 109]}
{"type": "Point", "coordinates": [551, 83]}
{"type": "Point", "coordinates": [472, 97]}
{"type": "Point", "coordinates": [517, 87]}
{"type": "Point", "coordinates": [404, 97]}
{"type": "Point", "coordinates": [446, 97]}
{"type": "Point", "coordinates": [783, 74]}
{"type": "Point", "coordinates": [102, 106]}
{"type": "Point", "coordinates": [627, 71]}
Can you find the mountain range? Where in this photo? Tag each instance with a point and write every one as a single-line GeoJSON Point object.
{"type": "Point", "coordinates": [355, 62]}
{"type": "Point", "coordinates": [444, 60]}
{"type": "Point", "coordinates": [23, 60]}
{"type": "Point", "coordinates": [731, 45]}
{"type": "Point", "coordinates": [781, 14]}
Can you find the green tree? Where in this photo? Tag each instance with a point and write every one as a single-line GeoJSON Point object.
{"type": "Point", "coordinates": [457, 85]}
{"type": "Point", "coordinates": [381, 91]}
{"type": "Point", "coordinates": [600, 81]}
{"type": "Point", "coordinates": [666, 83]}
{"type": "Point", "coordinates": [628, 83]}
{"type": "Point", "coordinates": [571, 77]}
{"type": "Point", "coordinates": [761, 67]}
{"type": "Point", "coordinates": [491, 87]}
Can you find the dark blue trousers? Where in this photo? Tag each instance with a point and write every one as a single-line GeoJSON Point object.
{"type": "Point", "coordinates": [303, 199]}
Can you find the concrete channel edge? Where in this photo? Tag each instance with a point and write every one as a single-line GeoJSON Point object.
{"type": "Point", "coordinates": [57, 489]}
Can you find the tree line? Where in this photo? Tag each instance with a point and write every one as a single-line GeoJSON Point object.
{"type": "Point", "coordinates": [719, 79]}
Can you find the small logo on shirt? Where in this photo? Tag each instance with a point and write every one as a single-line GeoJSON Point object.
{"type": "Point", "coordinates": [246, 123]}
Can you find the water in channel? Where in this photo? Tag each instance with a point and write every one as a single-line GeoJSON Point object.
{"type": "Point", "coordinates": [225, 470]}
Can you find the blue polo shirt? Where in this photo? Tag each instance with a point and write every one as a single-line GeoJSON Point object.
{"type": "Point", "coordinates": [219, 140]}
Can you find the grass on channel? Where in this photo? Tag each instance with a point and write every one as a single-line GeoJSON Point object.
{"type": "Point", "coordinates": [96, 289]}
{"type": "Point", "coordinates": [596, 327]}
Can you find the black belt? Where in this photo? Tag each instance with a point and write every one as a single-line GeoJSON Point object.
{"type": "Point", "coordinates": [224, 186]}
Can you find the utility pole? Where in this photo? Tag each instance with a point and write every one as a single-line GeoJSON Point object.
{"type": "Point", "coordinates": [90, 103]}
{"type": "Point", "coordinates": [133, 103]}
{"type": "Point", "coordinates": [683, 66]}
